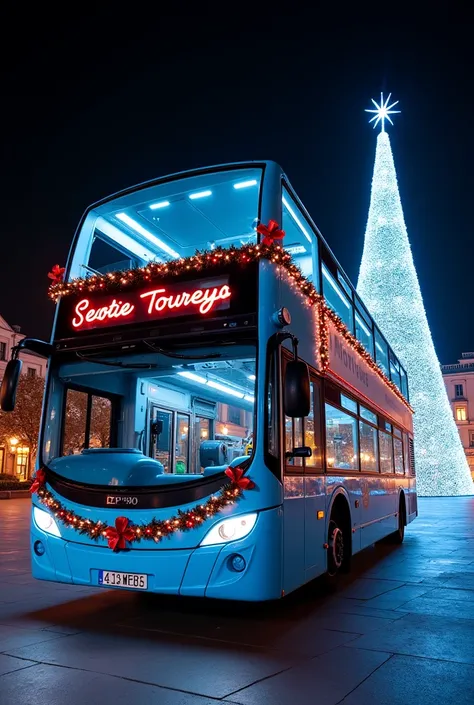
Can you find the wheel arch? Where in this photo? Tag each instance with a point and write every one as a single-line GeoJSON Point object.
{"type": "Point", "coordinates": [340, 502]}
{"type": "Point", "coordinates": [402, 502]}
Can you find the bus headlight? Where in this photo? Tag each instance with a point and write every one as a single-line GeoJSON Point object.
{"type": "Point", "coordinates": [45, 522]}
{"type": "Point", "coordinates": [230, 529]}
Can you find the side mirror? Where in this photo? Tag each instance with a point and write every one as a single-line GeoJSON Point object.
{"type": "Point", "coordinates": [10, 384]}
{"type": "Point", "coordinates": [297, 399]}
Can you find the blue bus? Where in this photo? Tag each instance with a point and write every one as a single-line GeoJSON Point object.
{"type": "Point", "coordinates": [222, 417]}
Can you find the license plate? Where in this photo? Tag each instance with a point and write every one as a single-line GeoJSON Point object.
{"type": "Point", "coordinates": [135, 581]}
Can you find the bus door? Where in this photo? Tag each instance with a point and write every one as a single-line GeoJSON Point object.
{"type": "Point", "coordinates": [161, 435]}
{"type": "Point", "coordinates": [304, 498]}
{"type": "Point", "coordinates": [314, 488]}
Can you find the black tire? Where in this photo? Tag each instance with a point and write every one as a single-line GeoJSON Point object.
{"type": "Point", "coordinates": [398, 535]}
{"type": "Point", "coordinates": [338, 551]}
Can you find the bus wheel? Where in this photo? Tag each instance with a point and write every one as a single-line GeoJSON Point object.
{"type": "Point", "coordinates": [336, 547]}
{"type": "Point", "coordinates": [398, 535]}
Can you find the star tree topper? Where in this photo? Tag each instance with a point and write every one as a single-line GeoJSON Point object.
{"type": "Point", "coordinates": [383, 111]}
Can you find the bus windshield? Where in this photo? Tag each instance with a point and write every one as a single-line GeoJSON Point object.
{"type": "Point", "coordinates": [169, 220]}
{"type": "Point", "coordinates": [188, 413]}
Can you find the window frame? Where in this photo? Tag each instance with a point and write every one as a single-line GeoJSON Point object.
{"type": "Point", "coordinates": [115, 411]}
{"type": "Point", "coordinates": [356, 471]}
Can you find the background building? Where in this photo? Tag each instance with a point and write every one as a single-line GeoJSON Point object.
{"type": "Point", "coordinates": [459, 381]}
{"type": "Point", "coordinates": [14, 455]}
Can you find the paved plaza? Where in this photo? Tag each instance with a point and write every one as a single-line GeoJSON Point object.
{"type": "Point", "coordinates": [398, 630]}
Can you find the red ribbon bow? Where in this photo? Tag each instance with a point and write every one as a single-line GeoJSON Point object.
{"type": "Point", "coordinates": [118, 535]}
{"type": "Point", "coordinates": [39, 481]}
{"type": "Point", "coordinates": [57, 274]}
{"type": "Point", "coordinates": [270, 232]}
{"type": "Point", "coordinates": [237, 478]}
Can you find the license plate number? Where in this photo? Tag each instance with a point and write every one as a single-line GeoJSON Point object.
{"type": "Point", "coordinates": [136, 581]}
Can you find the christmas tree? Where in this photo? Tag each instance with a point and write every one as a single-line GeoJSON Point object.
{"type": "Point", "coordinates": [389, 287]}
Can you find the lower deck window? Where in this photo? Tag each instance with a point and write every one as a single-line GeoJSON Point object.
{"type": "Point", "coordinates": [368, 448]}
{"type": "Point", "coordinates": [386, 452]}
{"type": "Point", "coordinates": [341, 439]}
{"type": "Point", "coordinates": [398, 456]}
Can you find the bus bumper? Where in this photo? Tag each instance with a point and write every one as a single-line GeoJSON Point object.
{"type": "Point", "coordinates": [249, 569]}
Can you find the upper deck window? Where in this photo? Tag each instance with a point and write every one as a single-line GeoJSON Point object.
{"type": "Point", "coordinates": [336, 299]}
{"type": "Point", "coordinates": [381, 352]}
{"type": "Point", "coordinates": [175, 218]}
{"type": "Point", "coordinates": [300, 240]}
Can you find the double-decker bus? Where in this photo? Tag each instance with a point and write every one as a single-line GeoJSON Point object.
{"type": "Point", "coordinates": [222, 417]}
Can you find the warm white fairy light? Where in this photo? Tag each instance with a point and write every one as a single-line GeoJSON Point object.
{"type": "Point", "coordinates": [389, 287]}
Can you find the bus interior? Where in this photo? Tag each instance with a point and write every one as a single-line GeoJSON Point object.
{"type": "Point", "coordinates": [191, 417]}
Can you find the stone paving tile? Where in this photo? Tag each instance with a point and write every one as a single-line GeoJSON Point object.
{"type": "Point", "coordinates": [447, 639]}
{"type": "Point", "coordinates": [9, 664]}
{"type": "Point", "coordinates": [50, 685]}
{"type": "Point", "coordinates": [307, 638]}
{"type": "Point", "coordinates": [364, 589]}
{"type": "Point", "coordinates": [324, 680]}
{"type": "Point", "coordinates": [395, 598]}
{"type": "Point", "coordinates": [424, 682]}
{"type": "Point", "coordinates": [464, 581]}
{"type": "Point", "coordinates": [442, 608]}
{"type": "Point", "coordinates": [15, 637]}
{"type": "Point", "coordinates": [362, 607]}
{"type": "Point", "coordinates": [443, 593]}
{"type": "Point", "coordinates": [199, 666]}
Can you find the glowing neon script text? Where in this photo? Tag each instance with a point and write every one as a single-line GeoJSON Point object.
{"type": "Point", "coordinates": [205, 299]}
{"type": "Point", "coordinates": [114, 310]}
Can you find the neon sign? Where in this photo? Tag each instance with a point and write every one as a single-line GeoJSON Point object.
{"type": "Point", "coordinates": [205, 299]}
{"type": "Point", "coordinates": [140, 306]}
{"type": "Point", "coordinates": [114, 310]}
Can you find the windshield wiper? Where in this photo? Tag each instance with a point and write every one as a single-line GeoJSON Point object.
{"type": "Point", "coordinates": [118, 363]}
{"type": "Point", "coordinates": [170, 353]}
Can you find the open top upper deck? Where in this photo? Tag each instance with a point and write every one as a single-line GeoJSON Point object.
{"type": "Point", "coordinates": [220, 206]}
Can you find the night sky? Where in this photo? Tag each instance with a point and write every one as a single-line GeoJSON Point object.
{"type": "Point", "coordinates": [101, 104]}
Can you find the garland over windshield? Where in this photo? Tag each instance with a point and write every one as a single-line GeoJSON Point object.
{"type": "Point", "coordinates": [204, 263]}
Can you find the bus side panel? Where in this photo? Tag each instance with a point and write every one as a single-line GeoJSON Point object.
{"type": "Point", "coordinates": [293, 534]}
{"type": "Point", "coordinates": [379, 505]}
{"type": "Point", "coordinates": [315, 526]}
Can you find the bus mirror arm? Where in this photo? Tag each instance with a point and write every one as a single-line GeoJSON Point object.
{"type": "Point", "coordinates": [40, 347]}
{"type": "Point", "coordinates": [303, 452]}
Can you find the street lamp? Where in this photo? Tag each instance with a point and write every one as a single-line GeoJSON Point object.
{"type": "Point", "coordinates": [13, 444]}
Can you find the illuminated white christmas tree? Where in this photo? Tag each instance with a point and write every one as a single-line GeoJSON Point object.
{"type": "Point", "coordinates": [389, 287]}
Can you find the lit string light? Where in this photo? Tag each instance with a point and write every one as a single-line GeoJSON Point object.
{"type": "Point", "coordinates": [389, 287]}
{"type": "Point", "coordinates": [155, 530]}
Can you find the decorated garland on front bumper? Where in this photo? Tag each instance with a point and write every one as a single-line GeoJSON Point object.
{"type": "Point", "coordinates": [125, 532]}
